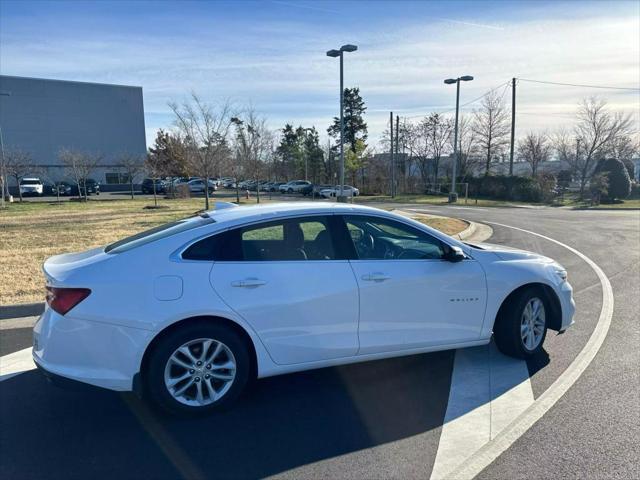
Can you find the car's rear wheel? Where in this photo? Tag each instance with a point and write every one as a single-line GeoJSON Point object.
{"type": "Point", "coordinates": [197, 369]}
{"type": "Point", "coordinates": [521, 326]}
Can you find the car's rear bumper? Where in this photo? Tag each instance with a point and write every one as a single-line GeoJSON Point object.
{"type": "Point", "coordinates": [96, 353]}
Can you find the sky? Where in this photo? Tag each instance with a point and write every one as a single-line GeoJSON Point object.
{"type": "Point", "coordinates": [271, 54]}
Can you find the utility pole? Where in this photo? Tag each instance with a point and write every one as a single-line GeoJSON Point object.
{"type": "Point", "coordinates": [396, 156]}
{"type": "Point", "coordinates": [513, 123]}
{"type": "Point", "coordinates": [393, 173]}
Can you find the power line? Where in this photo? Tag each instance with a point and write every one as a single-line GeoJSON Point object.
{"type": "Point", "coordinates": [606, 87]}
{"type": "Point", "coordinates": [467, 103]}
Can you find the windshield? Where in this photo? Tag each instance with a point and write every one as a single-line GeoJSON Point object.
{"type": "Point", "coordinates": [157, 233]}
{"type": "Point", "coordinates": [30, 182]}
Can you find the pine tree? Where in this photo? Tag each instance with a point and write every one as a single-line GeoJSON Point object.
{"type": "Point", "coordinates": [355, 128]}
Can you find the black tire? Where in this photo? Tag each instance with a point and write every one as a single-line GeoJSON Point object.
{"type": "Point", "coordinates": [507, 328]}
{"type": "Point", "coordinates": [290, 191]}
{"type": "Point", "coordinates": [153, 377]}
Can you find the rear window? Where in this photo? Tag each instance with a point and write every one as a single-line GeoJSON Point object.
{"type": "Point", "coordinates": [157, 233]}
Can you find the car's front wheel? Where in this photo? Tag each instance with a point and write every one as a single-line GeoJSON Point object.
{"type": "Point", "coordinates": [521, 326]}
{"type": "Point", "coordinates": [197, 369]}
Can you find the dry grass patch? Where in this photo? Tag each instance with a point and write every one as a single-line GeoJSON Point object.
{"type": "Point", "coordinates": [31, 232]}
{"type": "Point", "coordinates": [447, 225]}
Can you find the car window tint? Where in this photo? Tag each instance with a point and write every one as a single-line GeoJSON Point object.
{"type": "Point", "coordinates": [291, 239]}
{"type": "Point", "coordinates": [384, 239]}
{"type": "Point", "coordinates": [157, 233]}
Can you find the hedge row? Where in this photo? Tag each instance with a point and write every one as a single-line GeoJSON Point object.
{"type": "Point", "coordinates": [504, 187]}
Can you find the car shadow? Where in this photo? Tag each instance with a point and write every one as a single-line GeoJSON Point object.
{"type": "Point", "coordinates": [281, 423]}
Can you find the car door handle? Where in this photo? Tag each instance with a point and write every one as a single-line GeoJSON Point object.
{"type": "Point", "coordinates": [375, 277]}
{"type": "Point", "coordinates": [248, 282]}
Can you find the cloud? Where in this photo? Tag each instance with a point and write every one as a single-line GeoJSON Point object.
{"type": "Point", "coordinates": [279, 64]}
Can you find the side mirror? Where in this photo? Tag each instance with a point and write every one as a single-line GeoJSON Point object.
{"type": "Point", "coordinates": [455, 254]}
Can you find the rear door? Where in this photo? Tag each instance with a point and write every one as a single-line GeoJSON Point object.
{"type": "Point", "coordinates": [288, 281]}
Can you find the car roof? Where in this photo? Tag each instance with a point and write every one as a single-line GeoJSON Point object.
{"type": "Point", "coordinates": [232, 216]}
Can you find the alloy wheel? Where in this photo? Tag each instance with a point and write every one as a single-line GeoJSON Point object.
{"type": "Point", "coordinates": [532, 324]}
{"type": "Point", "coordinates": [200, 372]}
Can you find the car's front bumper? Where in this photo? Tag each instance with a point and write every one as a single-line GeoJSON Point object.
{"type": "Point", "coordinates": [568, 305]}
{"type": "Point", "coordinates": [95, 353]}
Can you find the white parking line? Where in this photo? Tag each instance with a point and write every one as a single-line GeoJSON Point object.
{"type": "Point", "coordinates": [488, 391]}
{"type": "Point", "coordinates": [16, 363]}
{"type": "Point", "coordinates": [472, 465]}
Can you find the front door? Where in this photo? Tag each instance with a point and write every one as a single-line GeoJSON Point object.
{"type": "Point", "coordinates": [410, 295]}
{"type": "Point", "coordinates": [288, 283]}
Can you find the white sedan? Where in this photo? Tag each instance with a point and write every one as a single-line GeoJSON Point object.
{"type": "Point", "coordinates": [187, 313]}
{"type": "Point", "coordinates": [197, 185]}
{"type": "Point", "coordinates": [348, 191]}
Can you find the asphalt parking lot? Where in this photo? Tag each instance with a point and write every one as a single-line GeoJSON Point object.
{"type": "Point", "coordinates": [384, 419]}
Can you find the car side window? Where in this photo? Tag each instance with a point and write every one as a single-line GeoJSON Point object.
{"type": "Point", "coordinates": [290, 239]}
{"type": "Point", "coordinates": [306, 238]}
{"type": "Point", "coordinates": [377, 238]}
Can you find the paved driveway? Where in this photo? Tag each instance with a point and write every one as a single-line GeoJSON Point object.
{"type": "Point", "coordinates": [386, 419]}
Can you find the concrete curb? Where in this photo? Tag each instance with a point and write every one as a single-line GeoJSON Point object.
{"type": "Point", "coordinates": [467, 232]}
{"type": "Point", "coordinates": [475, 232]}
{"type": "Point", "coordinates": [22, 310]}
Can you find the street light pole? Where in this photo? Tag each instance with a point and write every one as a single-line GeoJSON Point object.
{"type": "Point", "coordinates": [341, 197]}
{"type": "Point", "coordinates": [334, 54]}
{"type": "Point", "coordinates": [453, 196]}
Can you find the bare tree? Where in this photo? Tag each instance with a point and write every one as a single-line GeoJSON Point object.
{"type": "Point", "coordinates": [439, 131]}
{"type": "Point", "coordinates": [155, 164]}
{"type": "Point", "coordinates": [467, 147]}
{"type": "Point", "coordinates": [205, 129]}
{"type": "Point", "coordinates": [79, 165]}
{"type": "Point", "coordinates": [623, 147]}
{"type": "Point", "coordinates": [420, 148]}
{"type": "Point", "coordinates": [131, 165]}
{"type": "Point", "coordinates": [491, 126]}
{"type": "Point", "coordinates": [534, 149]}
{"type": "Point", "coordinates": [597, 132]}
{"type": "Point", "coordinates": [18, 165]}
{"type": "Point", "coordinates": [254, 144]}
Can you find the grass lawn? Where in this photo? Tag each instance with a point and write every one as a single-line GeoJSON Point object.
{"type": "Point", "coordinates": [568, 201]}
{"type": "Point", "coordinates": [34, 231]}
{"type": "Point", "coordinates": [438, 200]}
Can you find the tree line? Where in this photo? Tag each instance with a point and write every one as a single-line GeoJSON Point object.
{"type": "Point", "coordinates": [216, 139]}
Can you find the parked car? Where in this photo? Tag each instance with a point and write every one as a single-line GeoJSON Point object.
{"type": "Point", "coordinates": [275, 186]}
{"type": "Point", "coordinates": [147, 186]}
{"type": "Point", "coordinates": [348, 191]}
{"type": "Point", "coordinates": [229, 183]}
{"type": "Point", "coordinates": [91, 185]}
{"type": "Point", "coordinates": [31, 186]}
{"type": "Point", "coordinates": [197, 185]}
{"type": "Point", "coordinates": [243, 292]}
{"type": "Point", "coordinates": [295, 186]}
{"type": "Point", "coordinates": [62, 188]}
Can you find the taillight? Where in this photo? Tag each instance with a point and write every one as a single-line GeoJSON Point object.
{"type": "Point", "coordinates": [64, 299]}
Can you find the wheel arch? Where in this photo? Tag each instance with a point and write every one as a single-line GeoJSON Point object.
{"type": "Point", "coordinates": [548, 294]}
{"type": "Point", "coordinates": [137, 380]}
